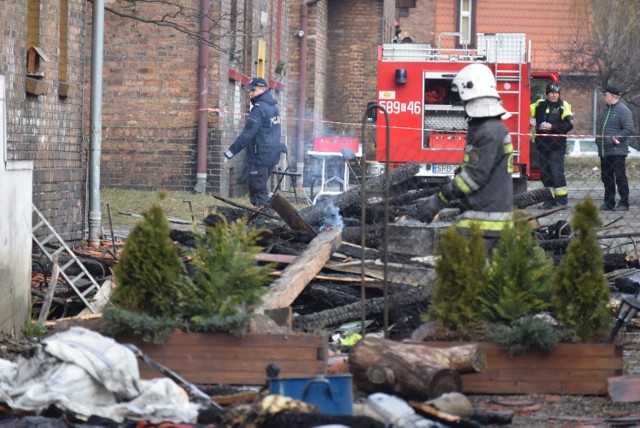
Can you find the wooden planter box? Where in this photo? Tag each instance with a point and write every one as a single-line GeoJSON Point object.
{"type": "Point", "coordinates": [580, 369]}
{"type": "Point", "coordinates": [220, 358]}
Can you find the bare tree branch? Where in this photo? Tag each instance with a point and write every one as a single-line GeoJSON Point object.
{"type": "Point", "coordinates": [611, 49]}
{"type": "Point", "coordinates": [221, 31]}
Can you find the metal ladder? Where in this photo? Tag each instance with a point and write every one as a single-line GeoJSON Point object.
{"type": "Point", "coordinates": [61, 249]}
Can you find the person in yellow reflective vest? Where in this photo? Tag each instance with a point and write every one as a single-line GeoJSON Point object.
{"type": "Point", "coordinates": [552, 116]}
{"type": "Point", "coordinates": [483, 186]}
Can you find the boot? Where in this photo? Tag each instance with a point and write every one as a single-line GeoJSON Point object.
{"type": "Point", "coordinates": [562, 201]}
{"type": "Point", "coordinates": [547, 205]}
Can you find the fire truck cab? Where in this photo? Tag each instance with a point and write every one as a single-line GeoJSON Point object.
{"type": "Point", "coordinates": [427, 122]}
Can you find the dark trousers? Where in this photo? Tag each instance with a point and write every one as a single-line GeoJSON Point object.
{"type": "Point", "coordinates": [552, 168]}
{"type": "Point", "coordinates": [258, 181]}
{"type": "Point", "coordinates": [613, 172]}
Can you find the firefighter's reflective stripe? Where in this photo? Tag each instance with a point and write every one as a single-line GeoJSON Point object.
{"type": "Point", "coordinates": [507, 149]}
{"type": "Point", "coordinates": [486, 221]}
{"type": "Point", "coordinates": [561, 191]}
{"type": "Point", "coordinates": [465, 183]}
{"type": "Point", "coordinates": [566, 110]}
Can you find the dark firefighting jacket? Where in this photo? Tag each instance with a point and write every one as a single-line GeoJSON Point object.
{"type": "Point", "coordinates": [559, 115]}
{"type": "Point", "coordinates": [261, 133]}
{"type": "Point", "coordinates": [484, 184]}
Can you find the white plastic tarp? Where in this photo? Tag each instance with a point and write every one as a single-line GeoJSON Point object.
{"type": "Point", "coordinates": [84, 373]}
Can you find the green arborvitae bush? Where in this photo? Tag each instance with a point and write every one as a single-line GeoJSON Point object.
{"type": "Point", "coordinates": [155, 296]}
{"type": "Point", "coordinates": [228, 280]}
{"type": "Point", "coordinates": [149, 274]}
{"type": "Point", "coordinates": [461, 275]}
{"type": "Point", "coordinates": [520, 277]}
{"type": "Point", "coordinates": [579, 290]}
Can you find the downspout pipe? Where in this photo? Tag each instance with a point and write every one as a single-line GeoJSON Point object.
{"type": "Point", "coordinates": [302, 85]}
{"type": "Point", "coordinates": [95, 144]}
{"type": "Point", "coordinates": [203, 99]}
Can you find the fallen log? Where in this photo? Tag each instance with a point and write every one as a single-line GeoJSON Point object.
{"type": "Point", "coordinates": [353, 311]}
{"type": "Point", "coordinates": [409, 370]}
{"type": "Point", "coordinates": [315, 215]}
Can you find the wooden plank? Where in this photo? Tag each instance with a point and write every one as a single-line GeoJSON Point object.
{"type": "Point", "coordinates": [527, 386]}
{"type": "Point", "coordinates": [568, 369]}
{"type": "Point", "coordinates": [546, 374]}
{"type": "Point", "coordinates": [562, 349]}
{"type": "Point", "coordinates": [236, 352]}
{"type": "Point", "coordinates": [181, 339]}
{"type": "Point", "coordinates": [301, 271]}
{"type": "Point", "coordinates": [275, 258]}
{"type": "Point", "coordinates": [223, 358]}
{"type": "Point", "coordinates": [289, 214]}
{"type": "Point", "coordinates": [396, 272]}
{"type": "Point", "coordinates": [229, 377]}
{"type": "Point", "coordinates": [184, 365]}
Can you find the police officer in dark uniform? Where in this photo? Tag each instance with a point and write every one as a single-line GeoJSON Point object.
{"type": "Point", "coordinates": [484, 186]}
{"type": "Point", "coordinates": [261, 137]}
{"type": "Point", "coordinates": [552, 116]}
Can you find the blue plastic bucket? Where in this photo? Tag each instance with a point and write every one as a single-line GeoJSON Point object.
{"type": "Point", "coordinates": [333, 395]}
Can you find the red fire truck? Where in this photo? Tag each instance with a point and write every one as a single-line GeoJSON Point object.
{"type": "Point", "coordinates": [426, 119]}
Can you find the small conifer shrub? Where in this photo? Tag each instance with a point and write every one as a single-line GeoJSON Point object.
{"type": "Point", "coordinates": [461, 275]}
{"type": "Point", "coordinates": [154, 295]}
{"type": "Point", "coordinates": [519, 278]}
{"type": "Point", "coordinates": [579, 290]}
{"type": "Point", "coordinates": [227, 279]}
{"type": "Point", "coordinates": [149, 273]}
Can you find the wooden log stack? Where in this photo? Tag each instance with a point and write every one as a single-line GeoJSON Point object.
{"type": "Point", "coordinates": [412, 370]}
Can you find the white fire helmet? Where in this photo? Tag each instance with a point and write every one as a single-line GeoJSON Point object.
{"type": "Point", "coordinates": [477, 88]}
{"type": "Point", "coordinates": [475, 81]}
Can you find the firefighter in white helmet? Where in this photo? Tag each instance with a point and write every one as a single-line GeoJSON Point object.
{"type": "Point", "coordinates": [483, 185]}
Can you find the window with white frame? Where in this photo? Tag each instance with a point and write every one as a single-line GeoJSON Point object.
{"type": "Point", "coordinates": [465, 21]}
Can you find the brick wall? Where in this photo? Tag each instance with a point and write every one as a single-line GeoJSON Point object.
{"type": "Point", "coordinates": [150, 100]}
{"type": "Point", "coordinates": [356, 29]}
{"type": "Point", "coordinates": [342, 41]}
{"type": "Point", "coordinates": [420, 22]}
{"type": "Point", "coordinates": [47, 128]}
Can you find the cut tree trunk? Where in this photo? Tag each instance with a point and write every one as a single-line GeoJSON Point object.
{"type": "Point", "coordinates": [411, 370]}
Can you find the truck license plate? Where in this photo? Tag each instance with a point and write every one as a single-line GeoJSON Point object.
{"type": "Point", "coordinates": [444, 168]}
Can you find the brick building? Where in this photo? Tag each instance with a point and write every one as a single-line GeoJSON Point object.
{"type": "Point", "coordinates": [150, 100]}
{"type": "Point", "coordinates": [151, 92]}
{"type": "Point", "coordinates": [42, 57]}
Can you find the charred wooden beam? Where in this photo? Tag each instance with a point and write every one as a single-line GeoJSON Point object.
{"type": "Point", "coordinates": [373, 235]}
{"type": "Point", "coordinates": [315, 215]}
{"type": "Point", "coordinates": [353, 311]}
{"type": "Point", "coordinates": [289, 214]}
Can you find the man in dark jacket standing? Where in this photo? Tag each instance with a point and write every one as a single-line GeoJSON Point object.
{"type": "Point", "coordinates": [261, 137]}
{"type": "Point", "coordinates": [615, 125]}
{"type": "Point", "coordinates": [484, 185]}
{"type": "Point", "coordinates": [552, 116]}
